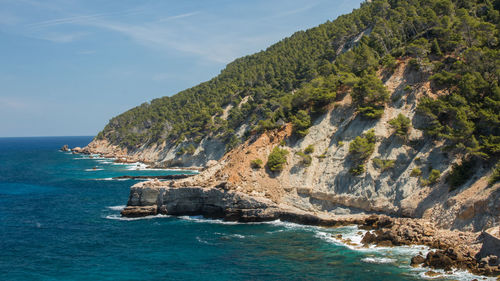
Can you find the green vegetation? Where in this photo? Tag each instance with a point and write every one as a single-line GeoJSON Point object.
{"type": "Point", "coordinates": [383, 164]}
{"type": "Point", "coordinates": [340, 143]}
{"type": "Point", "coordinates": [433, 178]}
{"type": "Point", "coordinates": [295, 80]}
{"type": "Point", "coordinates": [309, 149]}
{"type": "Point", "coordinates": [460, 174]}
{"type": "Point", "coordinates": [277, 159]}
{"type": "Point", "coordinates": [256, 164]}
{"type": "Point", "coordinates": [362, 147]}
{"type": "Point", "coordinates": [370, 95]}
{"type": "Point", "coordinates": [401, 125]}
{"type": "Point", "coordinates": [301, 123]}
{"type": "Point", "coordinates": [190, 149]}
{"type": "Point", "coordinates": [306, 158]}
{"type": "Point", "coordinates": [357, 170]}
{"type": "Point", "coordinates": [495, 176]}
{"type": "Point", "coordinates": [416, 172]}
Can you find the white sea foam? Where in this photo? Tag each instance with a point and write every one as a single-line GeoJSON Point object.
{"type": "Point", "coordinates": [460, 275]}
{"type": "Point", "coordinates": [201, 219]}
{"type": "Point", "coordinates": [203, 241]}
{"type": "Point", "coordinates": [378, 260]}
{"type": "Point", "coordinates": [93, 170]}
{"type": "Point", "coordinates": [292, 226]}
{"type": "Point", "coordinates": [117, 208]}
{"type": "Point", "coordinates": [120, 218]}
{"type": "Point", "coordinates": [104, 161]}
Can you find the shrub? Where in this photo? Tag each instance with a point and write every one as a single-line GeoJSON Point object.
{"type": "Point", "coordinates": [401, 125]}
{"type": "Point", "coordinates": [276, 159]}
{"type": "Point", "coordinates": [416, 172]}
{"type": "Point", "coordinates": [340, 143]}
{"type": "Point", "coordinates": [388, 62]}
{"type": "Point", "coordinates": [256, 164]}
{"type": "Point", "coordinates": [495, 177]}
{"type": "Point", "coordinates": [433, 178]}
{"type": "Point", "coordinates": [306, 158]}
{"type": "Point", "coordinates": [190, 149]}
{"type": "Point", "coordinates": [362, 147]}
{"type": "Point", "coordinates": [383, 164]}
{"type": "Point", "coordinates": [309, 149]}
{"type": "Point", "coordinates": [371, 112]}
{"type": "Point", "coordinates": [460, 174]}
{"type": "Point", "coordinates": [301, 123]}
{"type": "Point", "coordinates": [357, 170]}
{"type": "Point", "coordinates": [370, 94]}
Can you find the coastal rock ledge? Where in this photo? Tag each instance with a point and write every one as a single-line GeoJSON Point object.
{"type": "Point", "coordinates": [152, 198]}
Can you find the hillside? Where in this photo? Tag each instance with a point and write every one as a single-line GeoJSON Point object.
{"type": "Point", "coordinates": [391, 109]}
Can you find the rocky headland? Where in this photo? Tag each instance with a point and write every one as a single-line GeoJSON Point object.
{"type": "Point", "coordinates": [398, 136]}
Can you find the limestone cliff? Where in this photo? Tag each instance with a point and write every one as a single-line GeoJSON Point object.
{"type": "Point", "coordinates": [327, 186]}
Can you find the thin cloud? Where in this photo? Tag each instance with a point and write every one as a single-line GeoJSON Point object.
{"type": "Point", "coordinates": [81, 19]}
{"type": "Point", "coordinates": [161, 37]}
{"type": "Point", "coordinates": [62, 37]}
{"type": "Point", "coordinates": [186, 15]}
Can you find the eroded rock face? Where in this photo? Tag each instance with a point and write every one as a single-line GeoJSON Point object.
{"type": "Point", "coordinates": [209, 202]}
{"type": "Point", "coordinates": [151, 198]}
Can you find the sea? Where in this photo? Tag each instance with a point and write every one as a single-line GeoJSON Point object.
{"type": "Point", "coordinates": [60, 220]}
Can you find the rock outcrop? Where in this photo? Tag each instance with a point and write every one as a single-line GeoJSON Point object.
{"type": "Point", "coordinates": [326, 184]}
{"type": "Point", "coordinates": [152, 198]}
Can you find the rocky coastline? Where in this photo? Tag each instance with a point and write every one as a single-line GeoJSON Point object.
{"type": "Point", "coordinates": [475, 252]}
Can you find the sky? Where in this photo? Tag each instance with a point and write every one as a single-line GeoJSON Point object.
{"type": "Point", "coordinates": [68, 66]}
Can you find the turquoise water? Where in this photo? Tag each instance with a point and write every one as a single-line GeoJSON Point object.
{"type": "Point", "coordinates": [59, 220]}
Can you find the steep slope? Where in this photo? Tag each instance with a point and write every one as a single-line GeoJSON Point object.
{"type": "Point", "coordinates": [391, 109]}
{"type": "Point", "coordinates": [327, 185]}
{"type": "Point", "coordinates": [187, 128]}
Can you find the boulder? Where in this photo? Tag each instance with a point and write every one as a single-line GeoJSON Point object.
{"type": "Point", "coordinates": [65, 148]}
{"type": "Point", "coordinates": [438, 260]}
{"type": "Point", "coordinates": [417, 260]}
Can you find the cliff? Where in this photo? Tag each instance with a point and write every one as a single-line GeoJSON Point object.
{"type": "Point", "coordinates": [326, 185]}
{"type": "Point", "coordinates": [389, 110]}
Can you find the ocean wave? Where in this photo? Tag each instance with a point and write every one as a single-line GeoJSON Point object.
{"type": "Point", "coordinates": [93, 170]}
{"type": "Point", "coordinates": [201, 219]}
{"type": "Point", "coordinates": [292, 225]}
{"type": "Point", "coordinates": [120, 218]}
{"type": "Point", "coordinates": [116, 208]}
{"type": "Point", "coordinates": [234, 235]}
{"type": "Point", "coordinates": [104, 161]}
{"type": "Point", "coordinates": [203, 241]}
{"type": "Point", "coordinates": [378, 260]}
{"type": "Point", "coordinates": [460, 275]}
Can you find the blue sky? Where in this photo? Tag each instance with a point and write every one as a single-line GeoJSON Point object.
{"type": "Point", "coordinates": [67, 67]}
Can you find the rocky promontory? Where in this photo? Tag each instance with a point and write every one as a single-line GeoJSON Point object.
{"type": "Point", "coordinates": [152, 198]}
